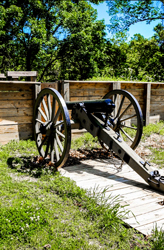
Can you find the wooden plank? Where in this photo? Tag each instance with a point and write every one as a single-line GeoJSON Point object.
{"type": "Point", "coordinates": [13, 128]}
{"type": "Point", "coordinates": [5, 138]}
{"type": "Point", "coordinates": [129, 86]}
{"type": "Point", "coordinates": [18, 82]}
{"type": "Point", "coordinates": [159, 92]}
{"type": "Point", "coordinates": [15, 112]}
{"type": "Point", "coordinates": [2, 75]}
{"type": "Point", "coordinates": [148, 228]}
{"type": "Point", "coordinates": [16, 104]}
{"type": "Point", "coordinates": [89, 92]}
{"type": "Point", "coordinates": [16, 87]}
{"type": "Point", "coordinates": [16, 95]}
{"type": "Point", "coordinates": [49, 85]}
{"type": "Point", "coordinates": [145, 208]}
{"type": "Point", "coordinates": [90, 85]}
{"type": "Point", "coordinates": [144, 219]}
{"type": "Point", "coordinates": [16, 74]}
{"type": "Point", "coordinates": [107, 82]}
{"type": "Point", "coordinates": [18, 119]}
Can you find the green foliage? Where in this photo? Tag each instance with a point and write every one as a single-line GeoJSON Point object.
{"type": "Point", "coordinates": [53, 212]}
{"type": "Point", "coordinates": [50, 37]}
{"type": "Point", "coordinates": [85, 141]}
{"type": "Point", "coordinates": [157, 128]}
{"type": "Point", "coordinates": [125, 13]}
{"type": "Point", "coordinates": [158, 238]}
{"type": "Point", "coordinates": [64, 40]}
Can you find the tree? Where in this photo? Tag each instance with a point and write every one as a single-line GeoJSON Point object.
{"type": "Point", "coordinates": [124, 13]}
{"type": "Point", "coordinates": [32, 31]}
{"type": "Point", "coordinates": [81, 50]}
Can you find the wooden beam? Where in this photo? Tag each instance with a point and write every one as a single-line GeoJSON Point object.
{"type": "Point", "coordinates": [148, 96]}
{"type": "Point", "coordinates": [66, 92]}
{"type": "Point", "coordinates": [2, 76]}
{"type": "Point", "coordinates": [116, 85]}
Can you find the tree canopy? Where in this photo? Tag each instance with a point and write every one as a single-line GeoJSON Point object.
{"type": "Point", "coordinates": [63, 39]}
{"type": "Point", "coordinates": [32, 32]}
{"type": "Point", "coordinates": [124, 13]}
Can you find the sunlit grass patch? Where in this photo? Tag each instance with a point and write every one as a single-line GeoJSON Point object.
{"type": "Point", "coordinates": [53, 212]}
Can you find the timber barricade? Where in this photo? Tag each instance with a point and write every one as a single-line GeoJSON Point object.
{"type": "Point", "coordinates": [16, 106]}
{"type": "Point", "coordinates": [17, 99]}
{"type": "Point", "coordinates": [150, 95]}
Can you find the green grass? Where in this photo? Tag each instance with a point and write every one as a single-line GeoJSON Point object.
{"type": "Point", "coordinates": [86, 141]}
{"type": "Point", "coordinates": [157, 128]}
{"type": "Point", "coordinates": [51, 211]}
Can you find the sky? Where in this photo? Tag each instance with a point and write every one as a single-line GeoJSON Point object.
{"type": "Point", "coordinates": [144, 29]}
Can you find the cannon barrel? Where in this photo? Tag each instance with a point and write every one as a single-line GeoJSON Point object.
{"type": "Point", "coordinates": [101, 105]}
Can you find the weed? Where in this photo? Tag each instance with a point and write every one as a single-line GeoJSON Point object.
{"type": "Point", "coordinates": [158, 238]}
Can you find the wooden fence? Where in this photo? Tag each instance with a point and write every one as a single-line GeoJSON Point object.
{"type": "Point", "coordinates": [16, 109]}
{"type": "Point", "coordinates": [150, 95]}
{"type": "Point", "coordinates": [17, 100]}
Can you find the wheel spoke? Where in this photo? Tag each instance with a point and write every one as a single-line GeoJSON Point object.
{"type": "Point", "coordinates": [115, 97]}
{"type": "Point", "coordinates": [122, 125]}
{"type": "Point", "coordinates": [59, 133]}
{"type": "Point", "coordinates": [120, 107]}
{"type": "Point", "coordinates": [42, 113]}
{"type": "Point", "coordinates": [125, 110]}
{"type": "Point", "coordinates": [128, 136]}
{"type": "Point", "coordinates": [52, 128]}
{"type": "Point", "coordinates": [58, 124]}
{"type": "Point", "coordinates": [57, 115]}
{"type": "Point", "coordinates": [130, 117]}
{"type": "Point", "coordinates": [43, 141]}
{"type": "Point", "coordinates": [49, 106]}
{"type": "Point", "coordinates": [59, 143]}
{"type": "Point", "coordinates": [45, 108]}
{"type": "Point", "coordinates": [52, 150]}
{"type": "Point", "coordinates": [39, 121]}
{"type": "Point", "coordinates": [56, 150]}
{"type": "Point", "coordinates": [53, 109]}
{"type": "Point", "coordinates": [47, 147]}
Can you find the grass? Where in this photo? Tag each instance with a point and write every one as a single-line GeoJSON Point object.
{"type": "Point", "coordinates": [157, 128]}
{"type": "Point", "coordinates": [48, 211]}
{"type": "Point", "coordinates": [85, 141]}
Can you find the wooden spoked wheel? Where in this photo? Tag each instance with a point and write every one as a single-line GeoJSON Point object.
{"type": "Point", "coordinates": [126, 119]}
{"type": "Point", "coordinates": [52, 127]}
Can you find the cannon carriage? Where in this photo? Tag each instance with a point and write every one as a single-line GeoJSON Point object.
{"type": "Point", "coordinates": [116, 120]}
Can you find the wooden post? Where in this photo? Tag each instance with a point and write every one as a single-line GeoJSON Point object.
{"type": "Point", "coordinates": [66, 92]}
{"type": "Point", "coordinates": [116, 85]}
{"type": "Point", "coordinates": [148, 96]}
{"type": "Point", "coordinates": [37, 90]}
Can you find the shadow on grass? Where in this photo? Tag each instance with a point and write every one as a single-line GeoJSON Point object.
{"type": "Point", "coordinates": [37, 166]}
{"type": "Point", "coordinates": [34, 166]}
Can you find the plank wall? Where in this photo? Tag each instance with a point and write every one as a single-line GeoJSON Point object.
{"type": "Point", "coordinates": [157, 100]}
{"type": "Point", "coordinates": [149, 95]}
{"type": "Point", "coordinates": [88, 91]}
{"type": "Point", "coordinates": [16, 111]}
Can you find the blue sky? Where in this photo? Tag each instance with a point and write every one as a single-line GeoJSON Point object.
{"type": "Point", "coordinates": [144, 29]}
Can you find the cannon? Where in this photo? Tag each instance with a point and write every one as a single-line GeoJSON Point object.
{"type": "Point", "coordinates": [116, 120]}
